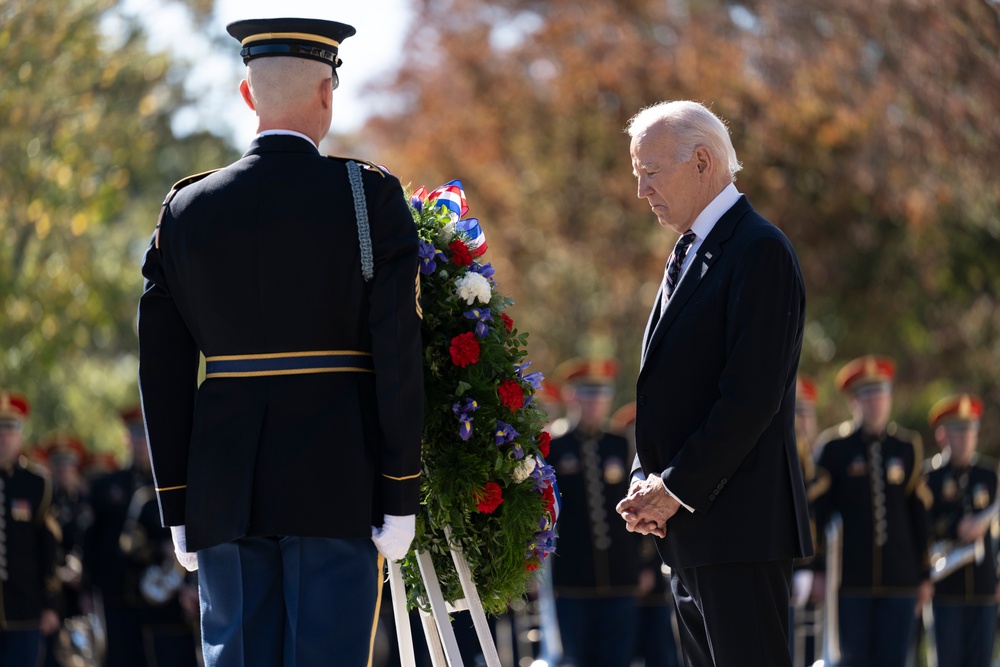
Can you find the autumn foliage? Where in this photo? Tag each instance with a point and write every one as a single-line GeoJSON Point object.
{"type": "Point", "coordinates": [867, 129]}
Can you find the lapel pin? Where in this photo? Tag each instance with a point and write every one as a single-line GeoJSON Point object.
{"type": "Point", "coordinates": [708, 255]}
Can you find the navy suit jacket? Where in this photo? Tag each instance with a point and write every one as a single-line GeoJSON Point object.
{"type": "Point", "coordinates": [263, 257]}
{"type": "Point", "coordinates": [715, 398]}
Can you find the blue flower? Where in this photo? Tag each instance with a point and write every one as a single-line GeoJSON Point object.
{"type": "Point", "coordinates": [485, 270]}
{"type": "Point", "coordinates": [462, 411]}
{"type": "Point", "coordinates": [429, 255]}
{"type": "Point", "coordinates": [534, 379]}
{"type": "Point", "coordinates": [505, 434]}
{"type": "Point", "coordinates": [543, 475]}
{"type": "Point", "coordinates": [416, 203]}
{"type": "Point", "coordinates": [483, 315]}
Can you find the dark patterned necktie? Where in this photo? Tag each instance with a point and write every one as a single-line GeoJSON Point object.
{"type": "Point", "coordinates": [672, 273]}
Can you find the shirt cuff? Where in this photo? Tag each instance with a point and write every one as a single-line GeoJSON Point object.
{"type": "Point", "coordinates": [674, 496]}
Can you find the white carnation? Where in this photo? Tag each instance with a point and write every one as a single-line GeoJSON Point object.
{"type": "Point", "coordinates": [524, 469]}
{"type": "Point", "coordinates": [473, 287]}
{"type": "Point", "coordinates": [447, 233]}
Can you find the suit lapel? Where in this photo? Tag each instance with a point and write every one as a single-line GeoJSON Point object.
{"type": "Point", "coordinates": [654, 316]}
{"type": "Point", "coordinates": [707, 256]}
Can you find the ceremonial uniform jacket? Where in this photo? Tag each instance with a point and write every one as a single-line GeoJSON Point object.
{"type": "Point", "coordinates": [875, 484]}
{"type": "Point", "coordinates": [263, 257]}
{"type": "Point", "coordinates": [959, 493]}
{"type": "Point", "coordinates": [29, 537]}
{"type": "Point", "coordinates": [595, 555]}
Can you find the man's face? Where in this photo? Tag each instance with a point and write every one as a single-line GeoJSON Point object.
{"type": "Point", "coordinates": [676, 191]}
{"type": "Point", "coordinates": [805, 421]}
{"type": "Point", "coordinates": [10, 442]}
{"type": "Point", "coordinates": [875, 406]}
{"type": "Point", "coordinates": [137, 443]}
{"type": "Point", "coordinates": [595, 406]}
{"type": "Point", "coordinates": [961, 439]}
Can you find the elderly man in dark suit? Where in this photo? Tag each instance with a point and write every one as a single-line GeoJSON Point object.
{"type": "Point", "coordinates": [296, 276]}
{"type": "Point", "coordinates": [717, 476]}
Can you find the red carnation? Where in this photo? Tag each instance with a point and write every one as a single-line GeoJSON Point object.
{"type": "Point", "coordinates": [532, 563]}
{"type": "Point", "coordinates": [489, 498]}
{"type": "Point", "coordinates": [544, 439]}
{"type": "Point", "coordinates": [464, 349]}
{"type": "Point", "coordinates": [508, 323]}
{"type": "Point", "coordinates": [511, 395]}
{"type": "Point", "coordinates": [460, 255]}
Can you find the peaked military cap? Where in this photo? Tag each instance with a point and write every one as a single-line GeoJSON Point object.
{"type": "Point", "coordinates": [13, 408]}
{"type": "Point", "coordinates": [314, 39]}
{"type": "Point", "coordinates": [805, 390]}
{"type": "Point", "coordinates": [960, 409]}
{"type": "Point", "coordinates": [866, 372]}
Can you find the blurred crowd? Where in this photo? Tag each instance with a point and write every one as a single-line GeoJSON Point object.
{"type": "Point", "coordinates": [89, 574]}
{"type": "Point", "coordinates": [906, 542]}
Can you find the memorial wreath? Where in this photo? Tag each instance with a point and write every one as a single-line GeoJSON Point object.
{"type": "Point", "coordinates": [484, 473]}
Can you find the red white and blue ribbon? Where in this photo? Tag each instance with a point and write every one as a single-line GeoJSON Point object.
{"type": "Point", "coordinates": [451, 196]}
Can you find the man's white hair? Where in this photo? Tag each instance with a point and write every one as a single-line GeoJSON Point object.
{"type": "Point", "coordinates": [692, 125]}
{"type": "Point", "coordinates": [279, 83]}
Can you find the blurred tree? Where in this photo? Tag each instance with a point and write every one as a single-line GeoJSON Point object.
{"type": "Point", "coordinates": [868, 130]}
{"type": "Point", "coordinates": [86, 155]}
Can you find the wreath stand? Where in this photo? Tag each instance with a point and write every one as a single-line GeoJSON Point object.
{"type": "Point", "coordinates": [440, 635]}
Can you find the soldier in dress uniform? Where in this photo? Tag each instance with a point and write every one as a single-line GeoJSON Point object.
{"type": "Point", "coordinates": [296, 463]}
{"type": "Point", "coordinates": [803, 610]}
{"type": "Point", "coordinates": [118, 551]}
{"type": "Point", "coordinates": [29, 590]}
{"type": "Point", "coordinates": [65, 454]}
{"type": "Point", "coordinates": [595, 573]}
{"type": "Point", "coordinates": [869, 471]}
{"type": "Point", "coordinates": [964, 485]}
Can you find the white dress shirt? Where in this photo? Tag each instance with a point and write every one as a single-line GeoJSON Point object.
{"type": "Point", "coordinates": [268, 133]}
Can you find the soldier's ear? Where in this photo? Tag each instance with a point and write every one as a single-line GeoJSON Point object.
{"type": "Point", "coordinates": [245, 93]}
{"type": "Point", "coordinates": [326, 92]}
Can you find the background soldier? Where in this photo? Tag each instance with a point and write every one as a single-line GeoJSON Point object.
{"type": "Point", "coordinates": [804, 613]}
{"type": "Point", "coordinates": [28, 538]}
{"type": "Point", "coordinates": [65, 455]}
{"type": "Point", "coordinates": [964, 485]}
{"type": "Point", "coordinates": [595, 575]}
{"type": "Point", "coordinates": [139, 632]}
{"type": "Point", "coordinates": [869, 471]}
{"type": "Point", "coordinates": [655, 641]}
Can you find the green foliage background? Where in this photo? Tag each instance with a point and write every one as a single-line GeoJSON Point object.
{"type": "Point", "coordinates": [86, 156]}
{"type": "Point", "coordinates": [868, 130]}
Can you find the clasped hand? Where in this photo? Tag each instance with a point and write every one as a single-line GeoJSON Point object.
{"type": "Point", "coordinates": [647, 507]}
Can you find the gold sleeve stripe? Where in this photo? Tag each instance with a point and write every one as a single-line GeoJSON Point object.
{"type": "Point", "coordinates": [308, 371]}
{"type": "Point", "coordinates": [401, 479]}
{"type": "Point", "coordinates": [285, 355]}
{"type": "Point", "coordinates": [172, 488]}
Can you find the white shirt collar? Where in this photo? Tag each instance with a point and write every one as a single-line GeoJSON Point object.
{"type": "Point", "coordinates": [705, 222]}
{"type": "Point", "coordinates": [268, 133]}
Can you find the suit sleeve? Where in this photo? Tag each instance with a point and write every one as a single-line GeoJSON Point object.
{"type": "Point", "coordinates": [397, 350]}
{"type": "Point", "coordinates": [763, 324]}
{"type": "Point", "coordinates": [168, 381]}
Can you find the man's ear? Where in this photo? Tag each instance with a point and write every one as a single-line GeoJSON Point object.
{"type": "Point", "coordinates": [245, 94]}
{"type": "Point", "coordinates": [703, 160]}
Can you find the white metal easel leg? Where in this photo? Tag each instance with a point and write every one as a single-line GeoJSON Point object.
{"type": "Point", "coordinates": [437, 627]}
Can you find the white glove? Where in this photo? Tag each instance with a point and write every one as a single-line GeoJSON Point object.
{"type": "Point", "coordinates": [802, 581]}
{"type": "Point", "coordinates": [394, 537]}
{"type": "Point", "coordinates": [189, 561]}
